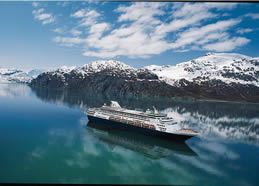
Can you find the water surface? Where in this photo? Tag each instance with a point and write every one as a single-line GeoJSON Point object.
{"type": "Point", "coordinates": [45, 138]}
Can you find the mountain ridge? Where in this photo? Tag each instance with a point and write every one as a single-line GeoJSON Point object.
{"type": "Point", "coordinates": [13, 76]}
{"type": "Point", "coordinates": [228, 67]}
{"type": "Point", "coordinates": [221, 76]}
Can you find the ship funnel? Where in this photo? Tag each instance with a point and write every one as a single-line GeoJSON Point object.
{"type": "Point", "coordinates": [115, 104]}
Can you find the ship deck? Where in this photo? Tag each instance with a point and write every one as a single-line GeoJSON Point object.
{"type": "Point", "coordinates": [133, 113]}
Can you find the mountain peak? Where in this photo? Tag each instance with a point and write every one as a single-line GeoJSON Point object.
{"type": "Point", "coordinates": [106, 64]}
{"type": "Point", "coordinates": [209, 54]}
{"type": "Point", "coordinates": [67, 69]}
{"type": "Point", "coordinates": [227, 67]}
{"type": "Point", "coordinates": [221, 57]}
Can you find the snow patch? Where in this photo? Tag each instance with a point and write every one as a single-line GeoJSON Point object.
{"type": "Point", "coordinates": [227, 67]}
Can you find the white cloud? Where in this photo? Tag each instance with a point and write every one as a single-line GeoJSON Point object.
{"type": "Point", "coordinates": [253, 15]}
{"type": "Point", "coordinates": [46, 18]}
{"type": "Point", "coordinates": [204, 34]}
{"type": "Point", "coordinates": [195, 8]}
{"type": "Point", "coordinates": [98, 29]}
{"type": "Point", "coordinates": [63, 3]}
{"type": "Point", "coordinates": [227, 45]}
{"type": "Point", "coordinates": [76, 32]}
{"type": "Point", "coordinates": [43, 16]}
{"type": "Point", "coordinates": [88, 17]}
{"type": "Point", "coordinates": [68, 41]}
{"type": "Point", "coordinates": [58, 30]}
{"type": "Point", "coordinates": [244, 30]}
{"type": "Point", "coordinates": [79, 13]}
{"type": "Point", "coordinates": [35, 4]}
{"type": "Point", "coordinates": [92, 1]}
{"type": "Point", "coordinates": [141, 12]}
{"type": "Point", "coordinates": [212, 37]}
{"type": "Point", "coordinates": [37, 12]}
{"type": "Point", "coordinates": [181, 23]}
{"type": "Point", "coordinates": [143, 29]}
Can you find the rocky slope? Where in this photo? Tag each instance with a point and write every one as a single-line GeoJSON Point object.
{"type": "Point", "coordinates": [220, 76]}
{"type": "Point", "coordinates": [106, 77]}
{"type": "Point", "coordinates": [13, 76]}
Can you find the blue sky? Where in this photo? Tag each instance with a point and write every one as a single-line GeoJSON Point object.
{"type": "Point", "coordinates": [48, 35]}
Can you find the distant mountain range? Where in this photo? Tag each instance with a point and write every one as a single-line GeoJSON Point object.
{"type": "Point", "coordinates": [13, 76]}
{"type": "Point", "coordinates": [17, 76]}
{"type": "Point", "coordinates": [217, 76]}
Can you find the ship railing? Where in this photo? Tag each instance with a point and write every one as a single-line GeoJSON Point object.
{"type": "Point", "coordinates": [130, 122]}
{"type": "Point", "coordinates": [135, 115]}
{"type": "Point", "coordinates": [138, 123]}
{"type": "Point", "coordinates": [123, 120]}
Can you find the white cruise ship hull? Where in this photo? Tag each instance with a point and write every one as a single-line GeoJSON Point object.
{"type": "Point", "coordinates": [147, 131]}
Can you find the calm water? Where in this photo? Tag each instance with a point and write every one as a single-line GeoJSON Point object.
{"type": "Point", "coordinates": [44, 138]}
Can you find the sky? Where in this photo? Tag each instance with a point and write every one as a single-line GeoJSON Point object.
{"type": "Point", "coordinates": [48, 35]}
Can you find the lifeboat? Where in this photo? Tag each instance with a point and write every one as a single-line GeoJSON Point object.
{"type": "Point", "coordinates": [146, 125]}
{"type": "Point", "coordinates": [112, 118]}
{"type": "Point", "coordinates": [117, 119]}
{"type": "Point", "coordinates": [124, 121]}
{"type": "Point", "coordinates": [152, 127]}
{"type": "Point", "coordinates": [138, 123]}
{"type": "Point", "coordinates": [130, 122]}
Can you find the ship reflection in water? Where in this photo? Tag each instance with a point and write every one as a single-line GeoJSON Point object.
{"type": "Point", "coordinates": [154, 148]}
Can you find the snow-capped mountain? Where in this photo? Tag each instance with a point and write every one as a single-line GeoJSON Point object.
{"type": "Point", "coordinates": [221, 76]}
{"type": "Point", "coordinates": [35, 72]}
{"type": "Point", "coordinates": [227, 67]}
{"type": "Point", "coordinates": [101, 65]}
{"type": "Point", "coordinates": [116, 68]}
{"type": "Point", "coordinates": [100, 75]}
{"type": "Point", "coordinates": [13, 76]}
{"type": "Point", "coordinates": [94, 67]}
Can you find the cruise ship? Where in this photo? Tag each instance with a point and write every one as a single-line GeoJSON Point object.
{"type": "Point", "coordinates": [151, 123]}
